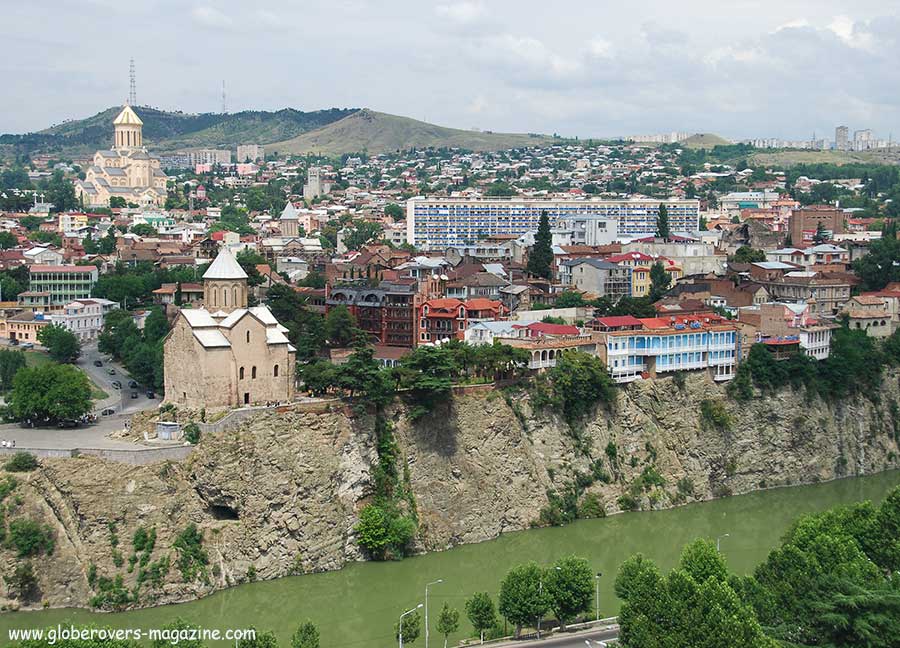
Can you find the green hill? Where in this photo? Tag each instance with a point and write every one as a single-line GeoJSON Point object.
{"type": "Point", "coordinates": [169, 131]}
{"type": "Point", "coordinates": [704, 140]}
{"type": "Point", "coordinates": [375, 132]}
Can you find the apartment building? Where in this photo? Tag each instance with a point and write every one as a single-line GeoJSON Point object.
{"type": "Point", "coordinates": [64, 283]}
{"type": "Point", "coordinates": [803, 223]}
{"type": "Point", "coordinates": [448, 319]}
{"type": "Point", "coordinates": [84, 318]}
{"type": "Point", "coordinates": [437, 223]}
{"type": "Point", "coordinates": [704, 341]}
{"type": "Point", "coordinates": [597, 277]}
{"type": "Point", "coordinates": [387, 313]}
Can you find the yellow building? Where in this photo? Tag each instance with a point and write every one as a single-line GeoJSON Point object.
{"type": "Point", "coordinates": [126, 171]}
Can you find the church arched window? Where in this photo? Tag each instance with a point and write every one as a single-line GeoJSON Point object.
{"type": "Point", "coordinates": [275, 371]}
{"type": "Point", "coordinates": [241, 373]}
{"type": "Point", "coordinates": [253, 373]}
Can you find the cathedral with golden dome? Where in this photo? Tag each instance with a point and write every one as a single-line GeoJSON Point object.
{"type": "Point", "coordinates": [126, 170]}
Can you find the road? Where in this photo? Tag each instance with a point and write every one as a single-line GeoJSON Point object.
{"type": "Point", "coordinates": [593, 638]}
{"type": "Point", "coordinates": [119, 399]}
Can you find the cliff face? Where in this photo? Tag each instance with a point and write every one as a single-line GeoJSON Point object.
{"type": "Point", "coordinates": [280, 494]}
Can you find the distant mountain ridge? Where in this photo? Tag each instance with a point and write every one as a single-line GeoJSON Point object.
{"type": "Point", "coordinates": [330, 132]}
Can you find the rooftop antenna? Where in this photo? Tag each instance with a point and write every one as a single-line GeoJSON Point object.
{"type": "Point", "coordinates": [132, 90]}
{"type": "Point", "coordinates": [223, 97]}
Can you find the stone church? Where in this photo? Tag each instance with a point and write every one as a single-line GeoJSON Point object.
{"type": "Point", "coordinates": [226, 354]}
{"type": "Point", "coordinates": [126, 171]}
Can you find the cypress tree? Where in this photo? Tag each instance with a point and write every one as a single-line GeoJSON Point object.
{"type": "Point", "coordinates": [540, 261]}
{"type": "Point", "coordinates": [662, 222]}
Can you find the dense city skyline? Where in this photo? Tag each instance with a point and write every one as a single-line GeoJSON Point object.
{"type": "Point", "coordinates": [801, 66]}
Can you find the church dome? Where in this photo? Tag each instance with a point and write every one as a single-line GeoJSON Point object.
{"type": "Point", "coordinates": [127, 118]}
{"type": "Point", "coordinates": [225, 266]}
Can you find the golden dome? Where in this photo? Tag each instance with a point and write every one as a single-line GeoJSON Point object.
{"type": "Point", "coordinates": [127, 118]}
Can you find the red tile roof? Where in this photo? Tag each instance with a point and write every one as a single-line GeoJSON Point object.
{"type": "Point", "coordinates": [546, 328]}
{"type": "Point", "coordinates": [619, 320]}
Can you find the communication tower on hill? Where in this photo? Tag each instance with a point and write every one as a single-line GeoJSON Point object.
{"type": "Point", "coordinates": [132, 89]}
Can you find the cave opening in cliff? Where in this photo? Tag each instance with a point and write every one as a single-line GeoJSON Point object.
{"type": "Point", "coordinates": [222, 512]}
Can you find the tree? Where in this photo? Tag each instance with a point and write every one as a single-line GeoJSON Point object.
{"type": "Point", "coordinates": [540, 259]}
{"type": "Point", "coordinates": [61, 193]}
{"type": "Point", "coordinates": [117, 202]}
{"type": "Point", "coordinates": [662, 222]}
{"type": "Point", "coordinates": [659, 281]}
{"type": "Point", "coordinates": [580, 381]}
{"type": "Point", "coordinates": [383, 532]}
{"type": "Point", "coordinates": [448, 622]}
{"type": "Point", "coordinates": [8, 240]}
{"type": "Point", "coordinates": [412, 627]}
{"type": "Point", "coordinates": [61, 344]}
{"type": "Point", "coordinates": [361, 233]}
{"type": "Point", "coordinates": [570, 585]}
{"type": "Point", "coordinates": [821, 235]}
{"type": "Point", "coordinates": [569, 299]}
{"type": "Point", "coordinates": [306, 636]}
{"type": "Point", "coordinates": [395, 211]}
{"type": "Point", "coordinates": [50, 393]}
{"type": "Point", "coordinates": [340, 327]}
{"type": "Point", "coordinates": [144, 229]}
{"type": "Point", "coordinates": [10, 363]}
{"type": "Point", "coordinates": [259, 640]}
{"type": "Point", "coordinates": [107, 244]}
{"type": "Point", "coordinates": [180, 628]}
{"type": "Point", "coordinates": [522, 599]}
{"type": "Point", "coordinates": [747, 254]}
{"type": "Point", "coordinates": [480, 610]}
{"type": "Point", "coordinates": [156, 326]}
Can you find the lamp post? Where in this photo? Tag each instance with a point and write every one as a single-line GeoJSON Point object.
{"type": "Point", "coordinates": [439, 580]}
{"type": "Point", "coordinates": [718, 541]}
{"type": "Point", "coordinates": [597, 581]}
{"type": "Point", "coordinates": [400, 633]}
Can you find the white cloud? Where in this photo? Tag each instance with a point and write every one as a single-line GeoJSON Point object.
{"type": "Point", "coordinates": [600, 48]}
{"type": "Point", "coordinates": [461, 12]}
{"type": "Point", "coordinates": [211, 17]}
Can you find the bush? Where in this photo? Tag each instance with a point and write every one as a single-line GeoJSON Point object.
{"type": "Point", "coordinates": [714, 415]}
{"type": "Point", "coordinates": [21, 462]}
{"type": "Point", "coordinates": [192, 558]}
{"type": "Point", "coordinates": [383, 531]}
{"type": "Point", "coordinates": [192, 433]}
{"type": "Point", "coordinates": [30, 538]}
{"type": "Point", "coordinates": [579, 382]}
{"type": "Point", "coordinates": [628, 502]}
{"type": "Point", "coordinates": [591, 507]}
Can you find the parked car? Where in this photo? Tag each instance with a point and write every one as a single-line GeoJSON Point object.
{"type": "Point", "coordinates": [109, 411]}
{"type": "Point", "coordinates": [111, 371]}
{"type": "Point", "coordinates": [133, 384]}
{"type": "Point", "coordinates": [97, 363]}
{"type": "Point", "coordinates": [67, 424]}
{"type": "Point", "coordinates": [28, 345]}
{"type": "Point", "coordinates": [116, 384]}
{"type": "Point", "coordinates": [134, 394]}
{"type": "Point", "coordinates": [150, 394]}
{"type": "Point", "coordinates": [13, 342]}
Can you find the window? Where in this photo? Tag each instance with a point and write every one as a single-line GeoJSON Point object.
{"type": "Point", "coordinates": [248, 337]}
{"type": "Point", "coordinates": [241, 373]}
{"type": "Point", "coordinates": [253, 373]}
{"type": "Point", "coordinates": [275, 371]}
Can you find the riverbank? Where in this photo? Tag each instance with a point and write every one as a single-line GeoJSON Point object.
{"type": "Point", "coordinates": [358, 605]}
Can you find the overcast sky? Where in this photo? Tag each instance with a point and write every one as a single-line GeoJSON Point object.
{"type": "Point", "coordinates": [575, 67]}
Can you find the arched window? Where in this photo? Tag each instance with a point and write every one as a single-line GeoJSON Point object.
{"type": "Point", "coordinates": [248, 337]}
{"type": "Point", "coordinates": [225, 296]}
{"type": "Point", "coordinates": [236, 300]}
{"type": "Point", "coordinates": [253, 373]}
{"type": "Point", "coordinates": [275, 371]}
{"type": "Point", "coordinates": [241, 373]}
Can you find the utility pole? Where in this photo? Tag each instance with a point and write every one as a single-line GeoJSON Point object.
{"type": "Point", "coordinates": [439, 580]}
{"type": "Point", "coordinates": [400, 633]}
{"type": "Point", "coordinates": [597, 580]}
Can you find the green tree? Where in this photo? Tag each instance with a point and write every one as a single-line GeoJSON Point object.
{"type": "Point", "coordinates": [305, 636]}
{"type": "Point", "coordinates": [570, 586]}
{"type": "Point", "coordinates": [522, 599]}
{"type": "Point", "coordinates": [412, 628]}
{"type": "Point", "coordinates": [382, 532]}
{"type": "Point", "coordinates": [659, 281]}
{"type": "Point", "coordinates": [10, 363]}
{"type": "Point", "coordinates": [579, 381]}
{"type": "Point", "coordinates": [259, 640]}
{"type": "Point", "coordinates": [340, 327]}
{"type": "Point", "coordinates": [8, 240]}
{"type": "Point", "coordinates": [177, 628]}
{"type": "Point", "coordinates": [361, 233]}
{"type": "Point", "coordinates": [540, 258]}
{"type": "Point", "coordinates": [662, 222]}
{"type": "Point", "coordinates": [395, 211]}
{"type": "Point", "coordinates": [569, 299]}
{"type": "Point", "coordinates": [50, 393]}
{"type": "Point", "coordinates": [448, 622]}
{"type": "Point", "coordinates": [747, 254]}
{"type": "Point", "coordinates": [61, 193]}
{"type": "Point", "coordinates": [481, 613]}
{"type": "Point", "coordinates": [143, 229]}
{"type": "Point", "coordinates": [107, 244]}
{"type": "Point", "coordinates": [30, 538]}
{"type": "Point", "coordinates": [61, 344]}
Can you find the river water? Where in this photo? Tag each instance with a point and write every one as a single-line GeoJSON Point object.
{"type": "Point", "coordinates": [359, 605]}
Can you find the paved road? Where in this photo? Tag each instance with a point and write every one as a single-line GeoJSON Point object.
{"type": "Point", "coordinates": [594, 638]}
{"type": "Point", "coordinates": [119, 399]}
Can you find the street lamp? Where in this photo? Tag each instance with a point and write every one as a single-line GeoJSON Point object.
{"type": "Point", "coordinates": [400, 633]}
{"type": "Point", "coordinates": [439, 580]}
{"type": "Point", "coordinates": [718, 541]}
{"type": "Point", "coordinates": [597, 581]}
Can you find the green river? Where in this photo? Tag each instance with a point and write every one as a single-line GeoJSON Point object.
{"type": "Point", "coordinates": [358, 605]}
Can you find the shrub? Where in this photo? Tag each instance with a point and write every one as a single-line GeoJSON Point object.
{"type": "Point", "coordinates": [628, 502]}
{"type": "Point", "coordinates": [111, 595]}
{"type": "Point", "coordinates": [192, 558]}
{"type": "Point", "coordinates": [591, 507]}
{"type": "Point", "coordinates": [714, 415]}
{"type": "Point", "coordinates": [685, 486]}
{"type": "Point", "coordinates": [383, 531]}
{"type": "Point", "coordinates": [192, 433]}
{"type": "Point", "coordinates": [21, 462]}
{"type": "Point", "coordinates": [579, 381]}
{"type": "Point", "coordinates": [599, 472]}
{"type": "Point", "coordinates": [30, 538]}
{"type": "Point", "coordinates": [678, 379]}
{"type": "Point", "coordinates": [7, 485]}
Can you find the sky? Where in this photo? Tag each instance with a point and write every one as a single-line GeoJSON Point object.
{"type": "Point", "coordinates": [588, 68]}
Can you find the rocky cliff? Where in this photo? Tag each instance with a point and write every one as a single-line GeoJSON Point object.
{"type": "Point", "coordinates": [280, 493]}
